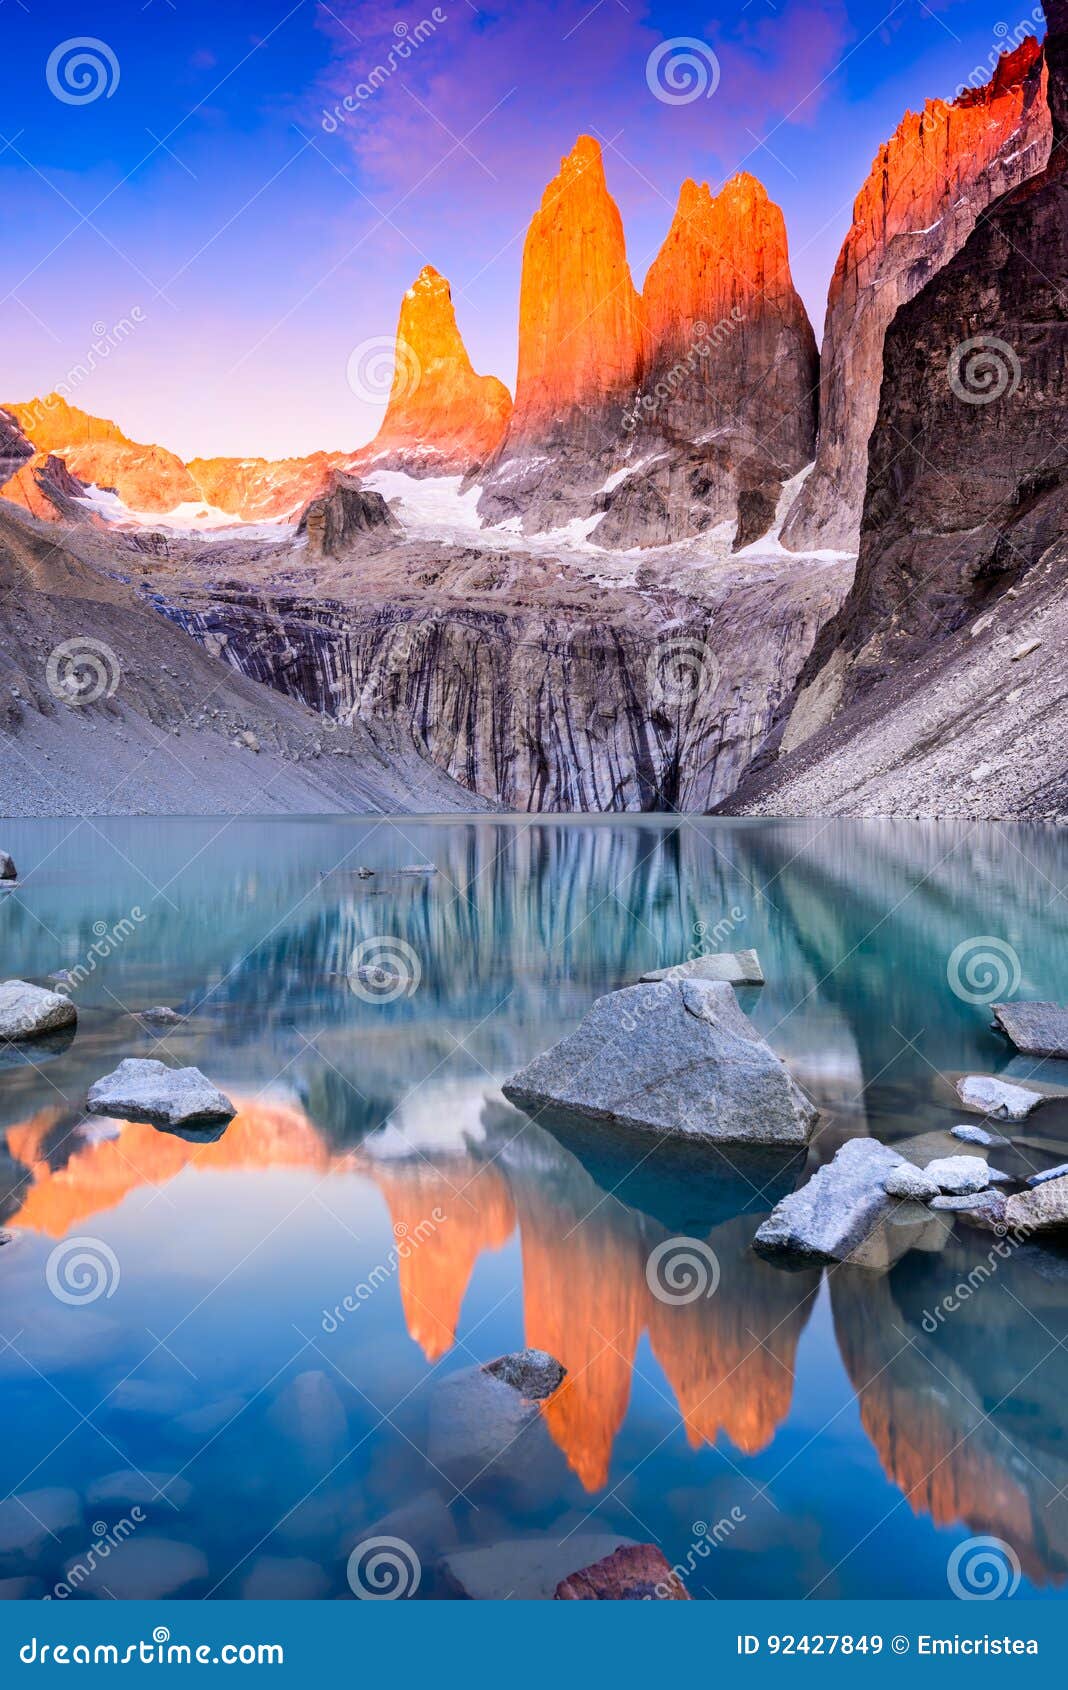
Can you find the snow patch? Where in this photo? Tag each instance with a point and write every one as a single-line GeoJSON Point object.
{"type": "Point", "coordinates": [188, 518]}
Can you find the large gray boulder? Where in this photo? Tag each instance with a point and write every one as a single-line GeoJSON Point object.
{"type": "Point", "coordinates": [143, 1090]}
{"type": "Point", "coordinates": [1038, 1029]}
{"type": "Point", "coordinates": [834, 1214]}
{"type": "Point", "coordinates": [678, 1058]}
{"type": "Point", "coordinates": [29, 1012]}
{"type": "Point", "coordinates": [1042, 1209]}
{"type": "Point", "coordinates": [737, 968]}
{"type": "Point", "coordinates": [997, 1099]}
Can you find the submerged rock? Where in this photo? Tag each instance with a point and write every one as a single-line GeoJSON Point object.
{"type": "Point", "coordinates": [483, 1432]}
{"type": "Point", "coordinates": [160, 1016]}
{"type": "Point", "coordinates": [523, 1569]}
{"type": "Point", "coordinates": [1042, 1209]}
{"type": "Point", "coordinates": [144, 1090]}
{"type": "Point", "coordinates": [275, 1578]}
{"type": "Point", "coordinates": [309, 1411]}
{"type": "Point", "coordinates": [996, 1098]}
{"type": "Point", "coordinates": [678, 1058]}
{"type": "Point", "coordinates": [129, 1487]}
{"type": "Point", "coordinates": [987, 1209]}
{"type": "Point", "coordinates": [144, 1568]}
{"type": "Point", "coordinates": [29, 1012]}
{"type": "Point", "coordinates": [533, 1373]}
{"type": "Point", "coordinates": [32, 1520]}
{"type": "Point", "coordinates": [636, 1573]}
{"type": "Point", "coordinates": [979, 1135]}
{"type": "Point", "coordinates": [737, 968]}
{"type": "Point", "coordinates": [843, 1203]}
{"type": "Point", "coordinates": [1038, 1029]}
{"type": "Point", "coordinates": [908, 1181]}
{"type": "Point", "coordinates": [8, 871]}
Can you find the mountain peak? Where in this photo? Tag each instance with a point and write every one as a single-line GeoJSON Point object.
{"type": "Point", "coordinates": [439, 409]}
{"type": "Point", "coordinates": [579, 320]}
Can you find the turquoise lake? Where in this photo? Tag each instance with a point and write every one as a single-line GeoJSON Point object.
{"type": "Point", "coordinates": [257, 1341]}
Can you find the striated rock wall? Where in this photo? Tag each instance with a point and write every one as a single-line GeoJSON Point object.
{"type": "Point", "coordinates": [927, 188]}
{"type": "Point", "coordinates": [529, 687]}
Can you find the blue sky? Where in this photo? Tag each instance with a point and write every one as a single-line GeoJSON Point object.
{"type": "Point", "coordinates": [260, 245]}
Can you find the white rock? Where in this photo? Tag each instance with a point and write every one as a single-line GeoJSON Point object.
{"type": "Point", "coordinates": [908, 1181]}
{"type": "Point", "coordinates": [959, 1175]}
{"type": "Point", "coordinates": [997, 1099]}
{"type": "Point", "coordinates": [144, 1090]}
{"type": "Point", "coordinates": [737, 968]}
{"type": "Point", "coordinates": [27, 1012]}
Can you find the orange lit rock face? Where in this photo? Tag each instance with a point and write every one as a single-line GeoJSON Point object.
{"type": "Point", "coordinates": [441, 416]}
{"type": "Point", "coordinates": [727, 338]}
{"type": "Point", "coordinates": [437, 1256]}
{"type": "Point", "coordinates": [926, 190]}
{"type": "Point", "coordinates": [580, 335]}
{"type": "Point", "coordinates": [98, 1176]}
{"type": "Point", "coordinates": [262, 489]}
{"type": "Point", "coordinates": [146, 478]}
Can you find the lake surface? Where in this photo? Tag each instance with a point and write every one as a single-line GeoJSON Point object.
{"type": "Point", "coordinates": [258, 1356]}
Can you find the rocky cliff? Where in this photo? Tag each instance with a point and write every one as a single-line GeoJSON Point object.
{"type": "Point", "coordinates": [108, 709]}
{"type": "Point", "coordinates": [529, 683]}
{"type": "Point", "coordinates": [656, 418]}
{"type": "Point", "coordinates": [722, 277]}
{"type": "Point", "coordinates": [580, 351]}
{"type": "Point", "coordinates": [927, 188]}
{"type": "Point", "coordinates": [146, 478]}
{"type": "Point", "coordinates": [726, 414]}
{"type": "Point", "coordinates": [442, 418]}
{"type": "Point", "coordinates": [938, 688]}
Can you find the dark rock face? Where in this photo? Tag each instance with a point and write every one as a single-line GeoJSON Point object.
{"type": "Point", "coordinates": [926, 189]}
{"type": "Point", "coordinates": [958, 603]}
{"type": "Point", "coordinates": [15, 449]}
{"type": "Point", "coordinates": [343, 516]}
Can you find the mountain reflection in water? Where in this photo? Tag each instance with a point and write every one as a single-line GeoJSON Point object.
{"type": "Point", "coordinates": [372, 1149]}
